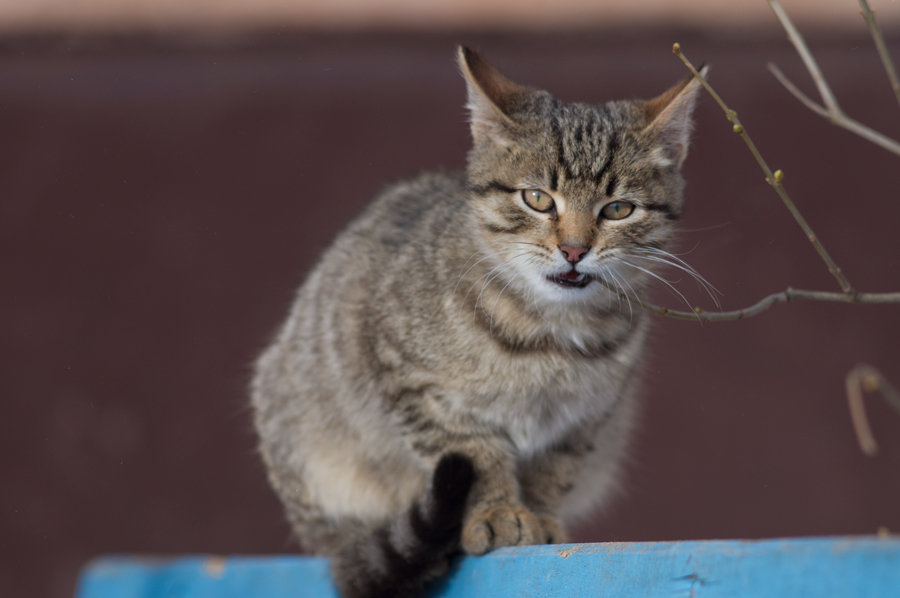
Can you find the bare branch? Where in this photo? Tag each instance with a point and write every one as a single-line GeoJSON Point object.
{"type": "Point", "coordinates": [811, 65]}
{"type": "Point", "coordinates": [831, 110]}
{"type": "Point", "coordinates": [847, 294]}
{"type": "Point", "coordinates": [795, 91]}
{"type": "Point", "coordinates": [856, 127]}
{"type": "Point", "coordinates": [860, 380]}
{"type": "Point", "coordinates": [768, 301]}
{"type": "Point", "coordinates": [869, 16]}
{"type": "Point", "coordinates": [841, 120]}
{"type": "Point", "coordinates": [774, 179]}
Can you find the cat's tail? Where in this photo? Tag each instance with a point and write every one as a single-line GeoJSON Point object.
{"type": "Point", "coordinates": [398, 558]}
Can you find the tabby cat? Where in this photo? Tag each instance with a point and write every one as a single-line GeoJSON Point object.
{"type": "Point", "coordinates": [457, 372]}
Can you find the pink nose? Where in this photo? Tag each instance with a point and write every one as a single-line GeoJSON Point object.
{"type": "Point", "coordinates": [573, 254]}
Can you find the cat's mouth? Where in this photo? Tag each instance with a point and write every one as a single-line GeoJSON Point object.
{"type": "Point", "coordinates": [573, 279]}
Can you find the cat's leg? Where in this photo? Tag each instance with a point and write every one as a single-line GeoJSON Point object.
{"type": "Point", "coordinates": [578, 474]}
{"type": "Point", "coordinates": [547, 479]}
{"type": "Point", "coordinates": [495, 515]}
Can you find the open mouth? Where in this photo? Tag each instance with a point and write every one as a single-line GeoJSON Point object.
{"type": "Point", "coordinates": [572, 279]}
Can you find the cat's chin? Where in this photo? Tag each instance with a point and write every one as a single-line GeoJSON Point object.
{"type": "Point", "coordinates": [571, 279]}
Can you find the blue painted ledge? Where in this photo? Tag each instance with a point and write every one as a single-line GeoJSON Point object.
{"type": "Point", "coordinates": [844, 567]}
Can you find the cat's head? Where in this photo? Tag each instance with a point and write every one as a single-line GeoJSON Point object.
{"type": "Point", "coordinates": [574, 199]}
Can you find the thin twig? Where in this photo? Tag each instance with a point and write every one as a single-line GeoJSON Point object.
{"type": "Point", "coordinates": [811, 65]}
{"type": "Point", "coordinates": [869, 16]}
{"type": "Point", "coordinates": [839, 119]}
{"type": "Point", "coordinates": [831, 110]}
{"type": "Point", "coordinates": [795, 91]}
{"type": "Point", "coordinates": [768, 301]}
{"type": "Point", "coordinates": [774, 179]}
{"type": "Point", "coordinates": [860, 380]}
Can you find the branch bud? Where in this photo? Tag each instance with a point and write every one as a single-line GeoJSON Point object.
{"type": "Point", "coordinates": [779, 176]}
{"type": "Point", "coordinates": [738, 129]}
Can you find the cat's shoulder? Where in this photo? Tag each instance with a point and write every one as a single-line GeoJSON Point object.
{"type": "Point", "coordinates": [425, 187]}
{"type": "Point", "coordinates": [400, 208]}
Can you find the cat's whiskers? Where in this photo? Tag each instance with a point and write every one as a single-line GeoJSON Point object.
{"type": "Point", "coordinates": [670, 259]}
{"type": "Point", "coordinates": [531, 294]}
{"type": "Point", "coordinates": [621, 283]}
{"type": "Point", "coordinates": [471, 257]}
{"type": "Point", "coordinates": [494, 273]}
{"type": "Point", "coordinates": [659, 278]}
{"type": "Point", "coordinates": [625, 282]}
{"type": "Point", "coordinates": [606, 281]}
{"type": "Point", "coordinates": [467, 270]}
{"type": "Point", "coordinates": [493, 277]}
{"type": "Point", "coordinates": [494, 308]}
{"type": "Point", "coordinates": [478, 279]}
{"type": "Point", "coordinates": [611, 286]}
{"type": "Point", "coordinates": [529, 259]}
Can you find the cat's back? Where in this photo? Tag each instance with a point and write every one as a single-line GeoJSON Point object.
{"type": "Point", "coordinates": [392, 258]}
{"type": "Point", "coordinates": [387, 258]}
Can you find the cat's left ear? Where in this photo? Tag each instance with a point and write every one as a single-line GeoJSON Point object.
{"type": "Point", "coordinates": [671, 122]}
{"type": "Point", "coordinates": [491, 98]}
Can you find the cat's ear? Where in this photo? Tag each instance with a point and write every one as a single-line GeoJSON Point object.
{"type": "Point", "coordinates": [671, 122]}
{"type": "Point", "coordinates": [490, 98]}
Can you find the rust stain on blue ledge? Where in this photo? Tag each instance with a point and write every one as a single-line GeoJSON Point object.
{"type": "Point", "coordinates": [215, 566]}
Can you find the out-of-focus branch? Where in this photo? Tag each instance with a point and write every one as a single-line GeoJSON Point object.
{"type": "Point", "coordinates": [869, 16]}
{"type": "Point", "coordinates": [837, 118]}
{"type": "Point", "coordinates": [866, 379]}
{"type": "Point", "coordinates": [831, 103]}
{"type": "Point", "coordinates": [831, 110]}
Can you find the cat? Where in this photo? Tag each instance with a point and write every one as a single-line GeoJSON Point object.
{"type": "Point", "coordinates": [457, 373]}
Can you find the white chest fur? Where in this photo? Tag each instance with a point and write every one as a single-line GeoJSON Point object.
{"type": "Point", "coordinates": [539, 404]}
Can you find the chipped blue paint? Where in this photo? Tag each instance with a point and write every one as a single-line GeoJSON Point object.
{"type": "Point", "coordinates": [858, 567]}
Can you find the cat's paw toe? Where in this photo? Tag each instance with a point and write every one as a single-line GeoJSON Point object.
{"type": "Point", "coordinates": [503, 525]}
{"type": "Point", "coordinates": [554, 532]}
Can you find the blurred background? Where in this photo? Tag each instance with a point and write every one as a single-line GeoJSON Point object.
{"type": "Point", "coordinates": [170, 170]}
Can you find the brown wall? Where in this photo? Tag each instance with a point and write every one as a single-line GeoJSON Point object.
{"type": "Point", "coordinates": [160, 200]}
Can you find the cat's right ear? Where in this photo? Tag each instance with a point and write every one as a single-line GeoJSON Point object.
{"type": "Point", "coordinates": [671, 123]}
{"type": "Point", "coordinates": [491, 98]}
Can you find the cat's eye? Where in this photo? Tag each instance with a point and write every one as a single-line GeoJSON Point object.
{"type": "Point", "coordinates": [616, 210]}
{"type": "Point", "coordinates": [537, 200]}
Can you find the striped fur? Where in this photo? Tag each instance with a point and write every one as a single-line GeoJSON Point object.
{"type": "Point", "coordinates": [448, 378]}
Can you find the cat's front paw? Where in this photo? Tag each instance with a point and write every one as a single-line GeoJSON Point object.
{"type": "Point", "coordinates": [502, 525]}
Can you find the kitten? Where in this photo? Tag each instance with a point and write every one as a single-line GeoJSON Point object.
{"type": "Point", "coordinates": [457, 371]}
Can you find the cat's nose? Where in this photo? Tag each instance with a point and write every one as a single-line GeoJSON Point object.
{"type": "Point", "coordinates": [573, 254]}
